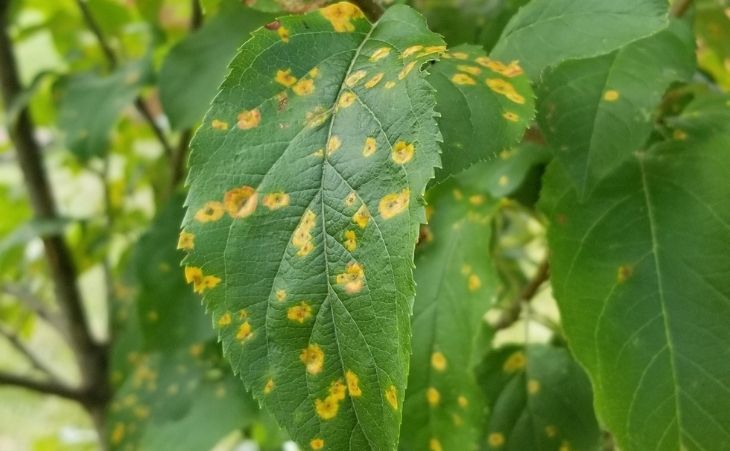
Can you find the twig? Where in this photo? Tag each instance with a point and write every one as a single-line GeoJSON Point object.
{"type": "Point", "coordinates": [680, 7]}
{"type": "Point", "coordinates": [512, 313]}
{"type": "Point", "coordinates": [49, 388]}
{"type": "Point", "coordinates": [29, 354]}
{"type": "Point", "coordinates": [111, 58]}
{"type": "Point", "coordinates": [36, 305]}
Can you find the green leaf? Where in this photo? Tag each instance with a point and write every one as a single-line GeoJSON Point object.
{"type": "Point", "coordinates": [85, 119]}
{"type": "Point", "coordinates": [640, 274]}
{"type": "Point", "coordinates": [547, 32]}
{"type": "Point", "coordinates": [596, 112]}
{"type": "Point", "coordinates": [195, 67]}
{"type": "Point", "coordinates": [304, 208]}
{"type": "Point", "coordinates": [507, 174]}
{"type": "Point", "coordinates": [485, 106]}
{"type": "Point", "coordinates": [539, 399]}
{"type": "Point", "coordinates": [456, 284]}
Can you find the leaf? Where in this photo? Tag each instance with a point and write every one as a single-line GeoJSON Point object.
{"type": "Point", "coordinates": [640, 274]}
{"type": "Point", "coordinates": [456, 284]}
{"type": "Point", "coordinates": [597, 112]}
{"type": "Point", "coordinates": [304, 206]}
{"type": "Point", "coordinates": [547, 32]}
{"type": "Point", "coordinates": [485, 106]}
{"type": "Point", "coordinates": [185, 97]}
{"type": "Point", "coordinates": [87, 121]}
{"type": "Point", "coordinates": [505, 176]}
{"type": "Point", "coordinates": [539, 399]}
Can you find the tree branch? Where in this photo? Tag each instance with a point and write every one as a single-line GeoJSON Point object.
{"type": "Point", "coordinates": [680, 7]}
{"type": "Point", "coordinates": [512, 313]}
{"type": "Point", "coordinates": [28, 354]}
{"type": "Point", "coordinates": [371, 9]}
{"type": "Point", "coordinates": [48, 388]}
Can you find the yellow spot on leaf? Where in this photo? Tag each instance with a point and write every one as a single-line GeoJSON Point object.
{"type": "Point", "coordinates": [438, 361]}
{"type": "Point", "coordinates": [219, 125]}
{"type": "Point", "coordinates": [361, 216]}
{"type": "Point", "coordinates": [533, 386]}
{"type": "Point", "coordinates": [463, 402]}
{"type": "Point", "coordinates": [340, 15]}
{"type": "Point", "coordinates": [186, 240]}
{"type": "Point", "coordinates": [374, 80]}
{"type": "Point", "coordinates": [346, 99]}
{"type": "Point", "coordinates": [476, 199]}
{"type": "Point", "coordinates": [565, 446]}
{"type": "Point", "coordinates": [433, 49]}
{"type": "Point", "coordinates": [391, 395]}
{"type": "Point", "coordinates": [389, 85]}
{"type": "Point", "coordinates": [496, 439]}
{"type": "Point", "coordinates": [284, 77]}
{"type": "Point", "coordinates": [371, 145]}
{"type": "Point", "coordinates": [623, 273]}
{"type": "Point", "coordinates": [435, 445]}
{"type": "Point", "coordinates": [117, 433]}
{"type": "Point", "coordinates": [506, 89]}
{"type": "Point", "coordinates": [280, 295]}
{"type": "Point", "coordinates": [352, 278]}
{"type": "Point", "coordinates": [225, 319]}
{"type": "Point", "coordinates": [350, 241]}
{"type": "Point", "coordinates": [406, 70]}
{"type": "Point", "coordinates": [316, 443]}
{"type": "Point", "coordinates": [355, 77]}
{"type": "Point", "coordinates": [211, 211]}
{"type": "Point", "coordinates": [333, 144]}
{"type": "Point", "coordinates": [611, 95]}
{"type": "Point", "coordinates": [275, 201]}
{"type": "Point", "coordinates": [244, 332]}
{"type": "Point", "coordinates": [240, 202]}
{"type": "Point", "coordinates": [474, 283]}
{"type": "Point", "coordinates": [327, 408]}
{"type": "Point", "coordinates": [350, 199]}
{"type": "Point", "coordinates": [460, 55]}
{"type": "Point", "coordinates": [313, 357]}
{"type": "Point", "coordinates": [473, 70]}
{"type": "Point", "coordinates": [462, 79]}
{"type": "Point", "coordinates": [316, 117]}
{"type": "Point", "coordinates": [200, 282]}
{"type": "Point", "coordinates": [242, 314]}
{"type": "Point", "coordinates": [302, 237]}
{"type": "Point", "coordinates": [269, 386]}
{"type": "Point", "coordinates": [679, 135]}
{"type": "Point", "coordinates": [304, 87]}
{"type": "Point", "coordinates": [503, 181]}
{"type": "Point", "coordinates": [249, 119]}
{"type": "Point", "coordinates": [412, 50]}
{"type": "Point", "coordinates": [393, 204]}
{"type": "Point", "coordinates": [402, 152]}
{"type": "Point", "coordinates": [283, 33]}
{"type": "Point", "coordinates": [299, 313]}
{"type": "Point", "coordinates": [379, 54]}
{"type": "Point", "coordinates": [510, 70]}
{"type": "Point", "coordinates": [551, 431]}
{"type": "Point", "coordinates": [196, 350]}
{"type": "Point", "coordinates": [515, 362]}
{"type": "Point", "coordinates": [433, 396]}
{"type": "Point", "coordinates": [353, 384]}
{"type": "Point", "coordinates": [510, 116]}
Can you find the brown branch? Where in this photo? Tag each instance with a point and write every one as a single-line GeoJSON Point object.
{"type": "Point", "coordinates": [48, 388]}
{"type": "Point", "coordinates": [680, 7]}
{"type": "Point", "coordinates": [512, 313]}
{"type": "Point", "coordinates": [371, 8]}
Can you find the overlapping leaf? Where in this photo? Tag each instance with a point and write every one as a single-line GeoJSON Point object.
{"type": "Point", "coordinates": [456, 284]}
{"type": "Point", "coordinates": [641, 273]}
{"type": "Point", "coordinates": [485, 106]}
{"type": "Point", "coordinates": [539, 399]}
{"type": "Point", "coordinates": [547, 32]}
{"type": "Point", "coordinates": [304, 205]}
{"type": "Point", "coordinates": [596, 112]}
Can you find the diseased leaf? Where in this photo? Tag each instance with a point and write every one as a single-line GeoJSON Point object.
{"type": "Point", "coordinates": [596, 112]}
{"type": "Point", "coordinates": [547, 32]}
{"type": "Point", "coordinates": [456, 284]}
{"type": "Point", "coordinates": [87, 121]}
{"type": "Point", "coordinates": [507, 174]}
{"type": "Point", "coordinates": [304, 206]}
{"type": "Point", "coordinates": [196, 66]}
{"type": "Point", "coordinates": [539, 399]}
{"type": "Point", "coordinates": [640, 272]}
{"type": "Point", "coordinates": [485, 106]}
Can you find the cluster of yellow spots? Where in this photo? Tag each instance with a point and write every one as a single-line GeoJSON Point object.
{"type": "Point", "coordinates": [463, 79]}
{"type": "Point", "coordinates": [370, 146]}
{"type": "Point", "coordinates": [433, 397]}
{"type": "Point", "coordinates": [186, 240]}
{"type": "Point", "coordinates": [275, 201]}
{"type": "Point", "coordinates": [316, 443]}
{"type": "Point", "coordinates": [299, 313]}
{"type": "Point", "coordinates": [350, 241]}
{"type": "Point", "coordinates": [313, 358]}
{"type": "Point", "coordinates": [514, 362]}
{"type": "Point", "coordinates": [438, 361]}
{"type": "Point", "coordinates": [406, 70]}
{"type": "Point", "coordinates": [402, 152]}
{"type": "Point", "coordinates": [302, 238]}
{"type": "Point", "coordinates": [211, 211]}
{"type": "Point", "coordinates": [361, 216]}
{"type": "Point", "coordinates": [225, 319]}
{"type": "Point", "coordinates": [352, 279]}
{"type": "Point", "coordinates": [379, 54]}
{"type": "Point", "coordinates": [248, 119]}
{"type": "Point", "coordinates": [285, 78]}
{"type": "Point", "coordinates": [435, 445]}
{"type": "Point", "coordinates": [333, 144]}
{"type": "Point", "coordinates": [506, 89]}
{"type": "Point", "coordinates": [328, 407]}
{"type": "Point", "coordinates": [495, 439]}
{"type": "Point", "coordinates": [391, 396]}
{"type": "Point", "coordinates": [473, 282]}
{"type": "Point", "coordinates": [611, 95]}
{"type": "Point", "coordinates": [200, 282]}
{"type": "Point", "coordinates": [533, 386]}
{"type": "Point", "coordinates": [347, 98]}
{"type": "Point", "coordinates": [316, 117]}
{"type": "Point", "coordinates": [374, 80]}
{"type": "Point", "coordinates": [341, 15]}
{"type": "Point", "coordinates": [510, 70]}
{"type": "Point", "coordinates": [393, 204]}
{"type": "Point", "coordinates": [241, 202]}
{"type": "Point", "coordinates": [269, 386]}
{"type": "Point", "coordinates": [219, 125]}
